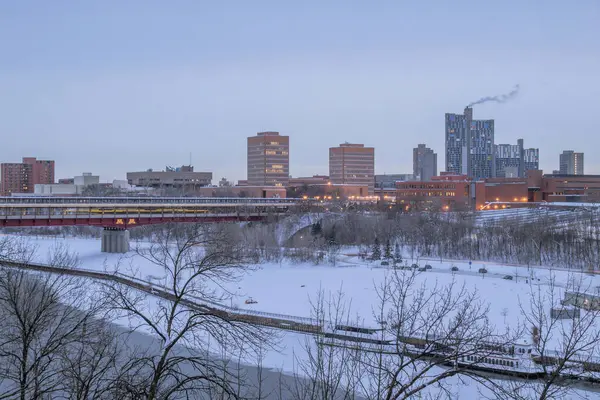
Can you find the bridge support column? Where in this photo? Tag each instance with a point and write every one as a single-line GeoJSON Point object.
{"type": "Point", "coordinates": [115, 240]}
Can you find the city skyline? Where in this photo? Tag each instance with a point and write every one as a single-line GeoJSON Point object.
{"type": "Point", "coordinates": [133, 96]}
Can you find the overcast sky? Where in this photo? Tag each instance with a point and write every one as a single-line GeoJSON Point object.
{"type": "Point", "coordinates": [116, 86]}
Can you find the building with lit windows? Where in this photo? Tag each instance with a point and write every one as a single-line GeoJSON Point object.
{"type": "Point", "coordinates": [22, 177]}
{"type": "Point", "coordinates": [352, 164]}
{"type": "Point", "coordinates": [445, 192]}
{"type": "Point", "coordinates": [571, 163]}
{"type": "Point", "coordinates": [268, 159]}
{"type": "Point", "coordinates": [470, 145]}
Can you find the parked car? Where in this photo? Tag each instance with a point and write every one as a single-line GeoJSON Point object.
{"type": "Point", "coordinates": [422, 269]}
{"type": "Point", "coordinates": [428, 266]}
{"type": "Point", "coordinates": [482, 271]}
{"type": "Point", "coordinates": [454, 268]}
{"type": "Point", "coordinates": [508, 277]}
{"type": "Point", "coordinates": [415, 265]}
{"type": "Point", "coordinates": [385, 263]}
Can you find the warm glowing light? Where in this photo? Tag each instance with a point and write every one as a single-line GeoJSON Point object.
{"type": "Point", "coordinates": [305, 197]}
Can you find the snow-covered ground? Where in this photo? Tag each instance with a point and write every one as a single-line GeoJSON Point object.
{"type": "Point", "coordinates": [289, 288]}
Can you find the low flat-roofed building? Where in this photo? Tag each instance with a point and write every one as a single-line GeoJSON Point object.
{"type": "Point", "coordinates": [58, 190]}
{"type": "Point", "coordinates": [445, 192]}
{"type": "Point", "coordinates": [183, 177]}
{"type": "Point", "coordinates": [243, 191]}
{"type": "Point", "coordinates": [575, 188]}
{"type": "Point", "coordinates": [309, 180]}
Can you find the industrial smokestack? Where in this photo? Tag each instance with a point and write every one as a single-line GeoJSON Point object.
{"type": "Point", "coordinates": [468, 113]}
{"type": "Point", "coordinates": [501, 98]}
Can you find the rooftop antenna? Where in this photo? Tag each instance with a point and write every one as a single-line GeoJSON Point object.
{"type": "Point", "coordinates": [190, 158]}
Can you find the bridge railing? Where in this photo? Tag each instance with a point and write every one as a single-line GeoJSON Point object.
{"type": "Point", "coordinates": [16, 200]}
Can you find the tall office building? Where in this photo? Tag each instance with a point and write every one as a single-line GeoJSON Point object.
{"type": "Point", "coordinates": [22, 177]}
{"type": "Point", "coordinates": [470, 145]}
{"type": "Point", "coordinates": [352, 164]}
{"type": "Point", "coordinates": [571, 163]}
{"type": "Point", "coordinates": [268, 159]}
{"type": "Point", "coordinates": [424, 163]}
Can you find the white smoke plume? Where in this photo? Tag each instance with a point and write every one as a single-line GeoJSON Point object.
{"type": "Point", "coordinates": [501, 98]}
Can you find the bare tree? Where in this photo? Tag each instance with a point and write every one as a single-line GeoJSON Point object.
{"type": "Point", "coordinates": [193, 262]}
{"type": "Point", "coordinates": [433, 332]}
{"type": "Point", "coordinates": [43, 316]}
{"type": "Point", "coordinates": [564, 338]}
{"type": "Point", "coordinates": [90, 365]}
{"type": "Point", "coordinates": [323, 370]}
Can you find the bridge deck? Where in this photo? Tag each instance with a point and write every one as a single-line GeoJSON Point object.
{"type": "Point", "coordinates": [124, 212]}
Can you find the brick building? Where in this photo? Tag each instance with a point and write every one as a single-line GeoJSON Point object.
{"type": "Point", "coordinates": [22, 177]}
{"type": "Point", "coordinates": [268, 159]}
{"type": "Point", "coordinates": [444, 192]}
{"type": "Point", "coordinates": [352, 164]}
{"type": "Point", "coordinates": [565, 188]}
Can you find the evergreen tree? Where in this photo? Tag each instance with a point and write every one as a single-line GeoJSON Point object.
{"type": "Point", "coordinates": [397, 253]}
{"type": "Point", "coordinates": [316, 229]}
{"type": "Point", "coordinates": [376, 252]}
{"type": "Point", "coordinates": [331, 240]}
{"type": "Point", "coordinates": [387, 254]}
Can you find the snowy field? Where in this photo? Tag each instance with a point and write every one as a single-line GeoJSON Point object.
{"type": "Point", "coordinates": [289, 288]}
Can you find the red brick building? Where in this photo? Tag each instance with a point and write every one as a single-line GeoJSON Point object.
{"type": "Point", "coordinates": [502, 190]}
{"type": "Point", "coordinates": [565, 188]}
{"type": "Point", "coordinates": [268, 159]}
{"type": "Point", "coordinates": [445, 192]}
{"type": "Point", "coordinates": [22, 177]}
{"type": "Point", "coordinates": [352, 164]}
{"type": "Point", "coordinates": [457, 192]}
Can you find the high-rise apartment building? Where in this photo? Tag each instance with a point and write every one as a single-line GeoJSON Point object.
{"type": "Point", "coordinates": [513, 161]}
{"type": "Point", "coordinates": [457, 142]}
{"type": "Point", "coordinates": [268, 159]}
{"type": "Point", "coordinates": [470, 145]}
{"type": "Point", "coordinates": [509, 160]}
{"type": "Point", "coordinates": [571, 163]}
{"type": "Point", "coordinates": [481, 153]}
{"type": "Point", "coordinates": [424, 163]}
{"type": "Point", "coordinates": [22, 177]}
{"type": "Point", "coordinates": [352, 164]}
{"type": "Point", "coordinates": [531, 160]}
